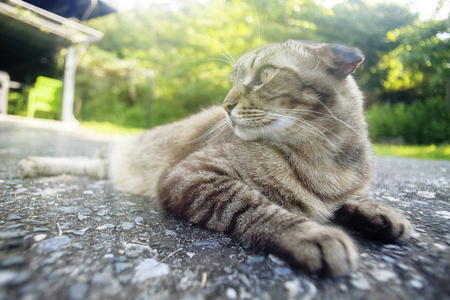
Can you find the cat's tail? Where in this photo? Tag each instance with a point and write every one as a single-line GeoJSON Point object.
{"type": "Point", "coordinates": [52, 166]}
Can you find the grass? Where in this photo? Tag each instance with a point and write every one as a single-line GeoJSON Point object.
{"type": "Point", "coordinates": [110, 128]}
{"type": "Point", "coordinates": [426, 152]}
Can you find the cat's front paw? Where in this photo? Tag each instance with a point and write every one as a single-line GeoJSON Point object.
{"type": "Point", "coordinates": [375, 220]}
{"type": "Point", "coordinates": [27, 168]}
{"type": "Point", "coordinates": [321, 249]}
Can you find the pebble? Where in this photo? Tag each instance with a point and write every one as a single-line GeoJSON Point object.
{"type": "Point", "coordinates": [53, 257]}
{"type": "Point", "coordinates": [231, 293]}
{"type": "Point", "coordinates": [416, 284]}
{"type": "Point", "coordinates": [139, 220]}
{"type": "Point", "coordinates": [106, 226]}
{"type": "Point", "coordinates": [440, 246]}
{"type": "Point", "coordinates": [170, 232]}
{"type": "Point", "coordinates": [255, 260]}
{"type": "Point", "coordinates": [383, 275]}
{"type": "Point", "coordinates": [12, 234]}
{"type": "Point", "coordinates": [426, 195]}
{"type": "Point", "coordinates": [136, 250]}
{"type": "Point", "coordinates": [53, 244]}
{"type": "Point", "coordinates": [82, 217]}
{"type": "Point", "coordinates": [121, 266]}
{"type": "Point", "coordinates": [415, 235]}
{"type": "Point", "coordinates": [343, 287]}
{"type": "Point", "coordinates": [103, 212]}
{"type": "Point", "coordinates": [443, 214]}
{"type": "Point", "coordinates": [20, 190]}
{"type": "Point", "coordinates": [78, 232]}
{"type": "Point", "coordinates": [127, 225]}
{"type": "Point", "coordinates": [422, 244]}
{"type": "Point", "coordinates": [41, 229]}
{"type": "Point", "coordinates": [13, 217]}
{"type": "Point", "coordinates": [11, 278]}
{"type": "Point", "coordinates": [297, 289]}
{"type": "Point", "coordinates": [388, 259]}
{"type": "Point", "coordinates": [106, 285]}
{"type": "Point", "coordinates": [281, 271]}
{"type": "Point", "coordinates": [14, 226]}
{"type": "Point", "coordinates": [39, 237]}
{"type": "Point", "coordinates": [276, 259]}
{"type": "Point", "coordinates": [403, 266]}
{"type": "Point", "coordinates": [150, 268]}
{"type": "Point", "coordinates": [206, 243]}
{"type": "Point", "coordinates": [360, 283]}
{"type": "Point", "coordinates": [392, 199]}
{"type": "Point", "coordinates": [78, 291]}
{"type": "Point", "coordinates": [12, 261]}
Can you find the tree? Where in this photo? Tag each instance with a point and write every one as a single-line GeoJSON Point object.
{"type": "Point", "coordinates": [419, 64]}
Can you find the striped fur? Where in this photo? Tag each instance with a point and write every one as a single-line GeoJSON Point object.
{"type": "Point", "coordinates": [290, 154]}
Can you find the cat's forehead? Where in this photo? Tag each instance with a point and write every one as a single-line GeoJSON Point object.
{"type": "Point", "coordinates": [276, 54]}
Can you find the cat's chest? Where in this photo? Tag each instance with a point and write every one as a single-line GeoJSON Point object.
{"type": "Point", "coordinates": [292, 180]}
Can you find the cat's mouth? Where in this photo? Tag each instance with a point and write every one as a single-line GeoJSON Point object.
{"type": "Point", "coordinates": [251, 128]}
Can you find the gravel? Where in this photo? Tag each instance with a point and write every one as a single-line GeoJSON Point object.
{"type": "Point", "coordinates": [75, 238]}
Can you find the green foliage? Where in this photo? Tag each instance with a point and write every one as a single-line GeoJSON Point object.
{"type": "Point", "coordinates": [417, 123]}
{"type": "Point", "coordinates": [360, 24]}
{"type": "Point", "coordinates": [181, 45]}
{"type": "Point", "coordinates": [420, 60]}
{"type": "Point", "coordinates": [187, 44]}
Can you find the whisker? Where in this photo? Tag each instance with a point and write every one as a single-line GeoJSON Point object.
{"type": "Point", "coordinates": [227, 58]}
{"type": "Point", "coordinates": [262, 33]}
{"type": "Point", "coordinates": [311, 127]}
{"type": "Point", "coordinates": [316, 125]}
{"type": "Point", "coordinates": [333, 117]}
{"type": "Point", "coordinates": [218, 71]}
{"type": "Point", "coordinates": [274, 134]}
{"type": "Point", "coordinates": [216, 130]}
{"type": "Point", "coordinates": [221, 59]}
{"type": "Point", "coordinates": [326, 107]}
{"type": "Point", "coordinates": [229, 55]}
{"type": "Point", "coordinates": [259, 32]}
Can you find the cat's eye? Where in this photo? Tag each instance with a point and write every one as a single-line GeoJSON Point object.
{"type": "Point", "coordinates": [266, 74]}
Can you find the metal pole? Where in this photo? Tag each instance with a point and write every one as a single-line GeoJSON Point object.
{"type": "Point", "coordinates": [69, 85]}
{"type": "Point", "coordinates": [4, 89]}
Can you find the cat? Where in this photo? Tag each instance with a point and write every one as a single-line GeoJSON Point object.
{"type": "Point", "coordinates": [286, 154]}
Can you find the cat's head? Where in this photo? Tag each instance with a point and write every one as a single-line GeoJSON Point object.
{"type": "Point", "coordinates": [295, 88]}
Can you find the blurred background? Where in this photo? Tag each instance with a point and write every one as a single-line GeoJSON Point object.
{"type": "Point", "coordinates": [153, 62]}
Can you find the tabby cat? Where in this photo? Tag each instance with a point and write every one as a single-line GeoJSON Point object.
{"type": "Point", "coordinates": [287, 153]}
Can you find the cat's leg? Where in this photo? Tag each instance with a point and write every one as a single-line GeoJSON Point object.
{"type": "Point", "coordinates": [374, 220]}
{"type": "Point", "coordinates": [51, 166]}
{"type": "Point", "coordinates": [210, 196]}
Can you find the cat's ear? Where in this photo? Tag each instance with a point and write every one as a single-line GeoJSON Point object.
{"type": "Point", "coordinates": [341, 60]}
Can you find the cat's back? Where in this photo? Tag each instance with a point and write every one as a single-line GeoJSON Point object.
{"type": "Point", "coordinates": [135, 163]}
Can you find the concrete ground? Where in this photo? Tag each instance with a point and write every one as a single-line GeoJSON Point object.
{"type": "Point", "coordinates": [77, 238]}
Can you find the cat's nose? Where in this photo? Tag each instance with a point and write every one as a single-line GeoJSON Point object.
{"type": "Point", "coordinates": [228, 106]}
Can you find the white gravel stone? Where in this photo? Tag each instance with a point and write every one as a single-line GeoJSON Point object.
{"type": "Point", "coordinates": [150, 268]}
{"type": "Point", "coordinates": [427, 195]}
{"type": "Point", "coordinates": [383, 275]}
{"type": "Point", "coordinates": [360, 283]}
{"type": "Point", "coordinates": [231, 293]}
